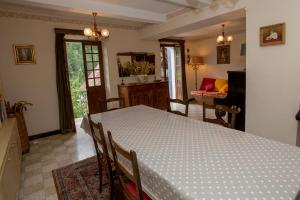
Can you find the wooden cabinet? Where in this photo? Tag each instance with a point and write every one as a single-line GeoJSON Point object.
{"type": "Point", "coordinates": [10, 160]}
{"type": "Point", "coordinates": [152, 94]}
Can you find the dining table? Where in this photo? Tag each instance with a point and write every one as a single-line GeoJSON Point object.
{"type": "Point", "coordinates": [180, 158]}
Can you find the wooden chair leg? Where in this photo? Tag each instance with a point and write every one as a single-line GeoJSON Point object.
{"type": "Point", "coordinates": [100, 174]}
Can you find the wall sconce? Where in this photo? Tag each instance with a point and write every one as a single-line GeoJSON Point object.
{"type": "Point", "coordinates": [195, 63]}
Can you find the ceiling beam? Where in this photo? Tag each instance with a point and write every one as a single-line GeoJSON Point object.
{"type": "Point", "coordinates": [104, 9]}
{"type": "Point", "coordinates": [189, 3]}
{"type": "Point", "coordinates": [194, 20]}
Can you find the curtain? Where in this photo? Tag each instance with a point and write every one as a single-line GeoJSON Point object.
{"type": "Point", "coordinates": [66, 115]}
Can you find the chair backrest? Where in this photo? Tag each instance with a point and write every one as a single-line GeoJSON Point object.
{"type": "Point", "coordinates": [220, 111]}
{"type": "Point", "coordinates": [102, 154]}
{"type": "Point", "coordinates": [178, 101]}
{"type": "Point", "coordinates": [120, 100]}
{"type": "Point", "coordinates": [133, 176]}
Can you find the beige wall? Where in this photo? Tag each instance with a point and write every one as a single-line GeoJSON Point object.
{"type": "Point", "coordinates": [273, 73]}
{"type": "Point", "coordinates": [37, 83]}
{"type": "Point", "coordinates": [207, 49]}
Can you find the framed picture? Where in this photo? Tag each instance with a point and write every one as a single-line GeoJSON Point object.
{"type": "Point", "coordinates": [125, 60]}
{"type": "Point", "coordinates": [272, 35]}
{"type": "Point", "coordinates": [24, 54]}
{"type": "Point", "coordinates": [223, 54]}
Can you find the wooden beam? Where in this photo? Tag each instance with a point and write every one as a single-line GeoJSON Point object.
{"type": "Point", "coordinates": [189, 3]}
{"type": "Point", "coordinates": [105, 9]}
{"type": "Point", "coordinates": [68, 31]}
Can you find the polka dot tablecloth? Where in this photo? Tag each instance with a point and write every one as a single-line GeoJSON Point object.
{"type": "Point", "coordinates": [180, 158]}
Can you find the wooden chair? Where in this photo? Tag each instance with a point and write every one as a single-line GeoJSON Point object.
{"type": "Point", "coordinates": [130, 182]}
{"type": "Point", "coordinates": [121, 101]}
{"type": "Point", "coordinates": [220, 111]}
{"type": "Point", "coordinates": [178, 101]}
{"type": "Point", "coordinates": [102, 154]}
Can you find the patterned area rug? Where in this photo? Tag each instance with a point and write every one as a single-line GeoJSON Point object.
{"type": "Point", "coordinates": [80, 181]}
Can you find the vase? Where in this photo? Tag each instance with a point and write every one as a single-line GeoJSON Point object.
{"type": "Point", "coordinates": [142, 78]}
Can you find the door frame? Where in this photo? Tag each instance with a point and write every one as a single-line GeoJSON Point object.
{"type": "Point", "coordinates": [166, 42]}
{"type": "Point", "coordinates": [77, 32]}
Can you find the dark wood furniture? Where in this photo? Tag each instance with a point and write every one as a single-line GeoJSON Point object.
{"type": "Point", "coordinates": [178, 101]}
{"type": "Point", "coordinates": [221, 111]}
{"type": "Point", "coordinates": [236, 96]}
{"type": "Point", "coordinates": [130, 181]}
{"type": "Point", "coordinates": [298, 116]}
{"type": "Point", "coordinates": [102, 154]}
{"type": "Point", "coordinates": [153, 94]}
{"type": "Point", "coordinates": [120, 100]}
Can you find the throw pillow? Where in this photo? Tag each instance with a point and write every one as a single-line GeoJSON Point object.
{"type": "Point", "coordinates": [219, 83]}
{"type": "Point", "coordinates": [224, 89]}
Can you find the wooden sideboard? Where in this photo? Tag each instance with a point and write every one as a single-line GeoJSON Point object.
{"type": "Point", "coordinates": [152, 94]}
{"type": "Point", "coordinates": [10, 160]}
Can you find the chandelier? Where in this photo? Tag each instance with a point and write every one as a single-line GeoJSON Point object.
{"type": "Point", "coordinates": [95, 34]}
{"type": "Point", "coordinates": [222, 40]}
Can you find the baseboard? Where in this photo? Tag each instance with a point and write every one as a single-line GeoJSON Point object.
{"type": "Point", "coordinates": [46, 134]}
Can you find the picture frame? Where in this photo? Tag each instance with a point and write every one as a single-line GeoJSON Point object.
{"type": "Point", "coordinates": [124, 59]}
{"type": "Point", "coordinates": [223, 54]}
{"type": "Point", "coordinates": [273, 35]}
{"type": "Point", "coordinates": [24, 54]}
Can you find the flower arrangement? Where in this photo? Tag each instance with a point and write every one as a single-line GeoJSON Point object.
{"type": "Point", "coordinates": [139, 68]}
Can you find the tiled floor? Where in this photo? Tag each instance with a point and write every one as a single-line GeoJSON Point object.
{"type": "Point", "coordinates": [47, 154]}
{"type": "Point", "coordinates": [56, 151]}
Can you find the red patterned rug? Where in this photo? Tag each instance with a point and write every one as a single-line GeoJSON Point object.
{"type": "Point", "coordinates": [79, 181]}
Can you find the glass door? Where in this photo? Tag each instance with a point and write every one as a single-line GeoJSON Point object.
{"type": "Point", "coordinates": [94, 75]}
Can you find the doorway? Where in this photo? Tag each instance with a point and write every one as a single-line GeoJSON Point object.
{"type": "Point", "coordinates": [173, 67]}
{"type": "Point", "coordinates": [86, 76]}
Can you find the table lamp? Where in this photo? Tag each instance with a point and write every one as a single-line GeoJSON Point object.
{"type": "Point", "coordinates": [195, 63]}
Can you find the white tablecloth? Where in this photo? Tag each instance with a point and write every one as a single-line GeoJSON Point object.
{"type": "Point", "coordinates": [181, 158]}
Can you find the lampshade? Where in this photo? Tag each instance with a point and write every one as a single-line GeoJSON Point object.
{"type": "Point", "coordinates": [104, 32]}
{"type": "Point", "coordinates": [197, 60]}
{"type": "Point", "coordinates": [88, 32]}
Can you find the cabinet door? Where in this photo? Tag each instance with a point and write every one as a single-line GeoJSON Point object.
{"type": "Point", "coordinates": [10, 177]}
{"type": "Point", "coordinates": [141, 95]}
{"type": "Point", "coordinates": [160, 95]}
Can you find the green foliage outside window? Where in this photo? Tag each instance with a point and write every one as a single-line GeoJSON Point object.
{"type": "Point", "coordinates": [76, 77]}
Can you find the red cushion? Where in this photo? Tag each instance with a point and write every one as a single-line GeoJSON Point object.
{"type": "Point", "coordinates": [208, 84]}
{"type": "Point", "coordinates": [131, 187]}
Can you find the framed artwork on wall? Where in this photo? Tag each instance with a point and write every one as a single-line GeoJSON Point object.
{"type": "Point", "coordinates": [24, 54]}
{"type": "Point", "coordinates": [223, 54]}
{"type": "Point", "coordinates": [272, 35]}
{"type": "Point", "coordinates": [126, 59]}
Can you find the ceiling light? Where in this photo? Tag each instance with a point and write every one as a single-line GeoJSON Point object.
{"type": "Point", "coordinates": [222, 40]}
{"type": "Point", "coordinates": [94, 34]}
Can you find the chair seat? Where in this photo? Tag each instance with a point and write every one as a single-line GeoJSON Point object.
{"type": "Point", "coordinates": [131, 187]}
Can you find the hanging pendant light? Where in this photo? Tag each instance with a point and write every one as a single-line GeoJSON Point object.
{"type": "Point", "coordinates": [94, 34]}
{"type": "Point", "coordinates": [222, 40]}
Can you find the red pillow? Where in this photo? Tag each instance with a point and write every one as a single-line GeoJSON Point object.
{"type": "Point", "coordinates": [208, 84]}
{"type": "Point", "coordinates": [209, 87]}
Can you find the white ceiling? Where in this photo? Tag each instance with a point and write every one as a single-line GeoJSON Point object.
{"type": "Point", "coordinates": [133, 14]}
{"type": "Point", "coordinates": [156, 6]}
{"type": "Point", "coordinates": [136, 11]}
{"type": "Point", "coordinates": [232, 26]}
